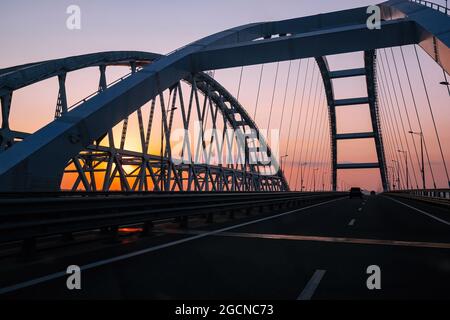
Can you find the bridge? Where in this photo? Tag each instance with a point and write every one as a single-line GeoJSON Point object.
{"type": "Point", "coordinates": [168, 183]}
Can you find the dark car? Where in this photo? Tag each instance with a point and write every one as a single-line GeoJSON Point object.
{"type": "Point", "coordinates": [356, 193]}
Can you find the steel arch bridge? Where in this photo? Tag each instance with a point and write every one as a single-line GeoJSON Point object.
{"type": "Point", "coordinates": [72, 142]}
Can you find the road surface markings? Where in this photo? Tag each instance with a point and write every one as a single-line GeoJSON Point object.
{"type": "Point", "coordinates": [352, 222]}
{"type": "Point", "coordinates": [421, 211]}
{"type": "Point", "coordinates": [359, 209]}
{"type": "Point", "coordinates": [99, 263]}
{"type": "Point", "coordinates": [400, 243]}
{"type": "Point", "coordinates": [312, 285]}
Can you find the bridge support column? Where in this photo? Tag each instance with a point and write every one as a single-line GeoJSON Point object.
{"type": "Point", "coordinates": [369, 72]}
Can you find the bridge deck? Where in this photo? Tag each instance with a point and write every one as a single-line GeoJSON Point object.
{"type": "Point", "coordinates": [273, 256]}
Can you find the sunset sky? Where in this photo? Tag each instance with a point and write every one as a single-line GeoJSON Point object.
{"type": "Point", "coordinates": [35, 31]}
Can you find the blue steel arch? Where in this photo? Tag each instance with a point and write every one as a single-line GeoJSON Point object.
{"type": "Point", "coordinates": [26, 166]}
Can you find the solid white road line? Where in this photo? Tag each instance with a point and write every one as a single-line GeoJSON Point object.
{"type": "Point", "coordinates": [421, 211]}
{"type": "Point", "coordinates": [99, 263]}
{"type": "Point", "coordinates": [268, 236]}
{"type": "Point", "coordinates": [352, 222]}
{"type": "Point", "coordinates": [312, 285]}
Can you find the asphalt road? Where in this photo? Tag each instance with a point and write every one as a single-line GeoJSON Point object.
{"type": "Point", "coordinates": [318, 252]}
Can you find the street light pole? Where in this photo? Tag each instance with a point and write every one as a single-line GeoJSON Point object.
{"type": "Point", "coordinates": [421, 155]}
{"type": "Point", "coordinates": [405, 153]}
{"type": "Point", "coordinates": [323, 181]}
{"type": "Point", "coordinates": [398, 173]}
{"type": "Point", "coordinates": [301, 175]}
{"type": "Point", "coordinates": [314, 174]}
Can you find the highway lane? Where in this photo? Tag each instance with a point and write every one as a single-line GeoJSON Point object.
{"type": "Point", "coordinates": [246, 263]}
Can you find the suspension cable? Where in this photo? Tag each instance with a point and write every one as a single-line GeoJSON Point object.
{"type": "Point", "coordinates": [320, 152]}
{"type": "Point", "coordinates": [317, 133]}
{"type": "Point", "coordinates": [299, 119]}
{"type": "Point", "coordinates": [407, 113]}
{"type": "Point", "coordinates": [240, 81]}
{"type": "Point", "coordinates": [273, 95]}
{"type": "Point", "coordinates": [285, 96]}
{"type": "Point", "coordinates": [418, 117]}
{"type": "Point", "coordinates": [432, 115]}
{"type": "Point", "coordinates": [293, 107]}
{"type": "Point", "coordinates": [401, 117]}
{"type": "Point", "coordinates": [323, 147]}
{"type": "Point", "coordinates": [259, 90]}
{"type": "Point", "coordinates": [306, 121]}
{"type": "Point", "coordinates": [388, 130]}
{"type": "Point", "coordinates": [312, 116]}
{"type": "Point", "coordinates": [312, 128]}
{"type": "Point", "coordinates": [391, 115]}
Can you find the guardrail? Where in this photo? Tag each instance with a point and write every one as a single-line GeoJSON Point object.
{"type": "Point", "coordinates": [429, 193]}
{"type": "Point", "coordinates": [433, 5]}
{"type": "Point", "coordinates": [28, 219]}
{"type": "Point", "coordinates": [436, 196]}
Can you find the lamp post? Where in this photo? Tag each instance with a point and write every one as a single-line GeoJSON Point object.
{"type": "Point", "coordinates": [314, 173]}
{"type": "Point", "coordinates": [281, 161]}
{"type": "Point", "coordinates": [162, 169]}
{"type": "Point", "coordinates": [301, 175]}
{"type": "Point", "coordinates": [421, 154]}
{"type": "Point", "coordinates": [405, 153]}
{"type": "Point", "coordinates": [323, 181]}
{"type": "Point", "coordinates": [398, 172]}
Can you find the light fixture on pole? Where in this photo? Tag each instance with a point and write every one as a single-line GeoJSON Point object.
{"type": "Point", "coordinates": [281, 161]}
{"type": "Point", "coordinates": [314, 173]}
{"type": "Point", "coordinates": [398, 173]}
{"type": "Point", "coordinates": [405, 153]}
{"type": "Point", "coordinates": [421, 154]}
{"type": "Point", "coordinates": [301, 175]}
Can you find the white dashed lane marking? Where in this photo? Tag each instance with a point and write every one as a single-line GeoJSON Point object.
{"type": "Point", "coordinates": [312, 285]}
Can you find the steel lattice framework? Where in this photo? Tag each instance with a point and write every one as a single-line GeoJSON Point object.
{"type": "Point", "coordinates": [152, 172]}
{"type": "Point", "coordinates": [71, 142]}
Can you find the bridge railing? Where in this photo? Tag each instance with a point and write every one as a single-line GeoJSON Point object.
{"type": "Point", "coordinates": [433, 196]}
{"type": "Point", "coordinates": [428, 193]}
{"type": "Point", "coordinates": [435, 6]}
{"type": "Point", "coordinates": [26, 220]}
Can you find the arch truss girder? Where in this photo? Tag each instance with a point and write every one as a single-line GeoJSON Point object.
{"type": "Point", "coordinates": [160, 172]}
{"type": "Point", "coordinates": [97, 166]}
{"type": "Point", "coordinates": [18, 77]}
